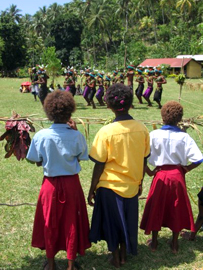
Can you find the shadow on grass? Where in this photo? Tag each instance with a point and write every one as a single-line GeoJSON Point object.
{"type": "Point", "coordinates": [145, 260]}
{"type": "Point", "coordinates": [81, 106]}
{"type": "Point", "coordinates": [139, 108]}
{"type": "Point", "coordinates": [88, 262]}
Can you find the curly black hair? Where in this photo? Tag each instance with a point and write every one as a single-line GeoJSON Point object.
{"type": "Point", "coordinates": [119, 97]}
{"type": "Point", "coordinates": [59, 106]}
{"type": "Point", "coordinates": [172, 113]}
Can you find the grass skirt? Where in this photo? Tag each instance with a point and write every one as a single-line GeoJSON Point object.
{"type": "Point", "coordinates": [42, 93]}
{"type": "Point", "coordinates": [139, 90]}
{"type": "Point", "coordinates": [158, 94]}
{"type": "Point", "coordinates": [92, 93]}
{"type": "Point", "coordinates": [167, 203]}
{"type": "Point", "coordinates": [100, 92]}
{"type": "Point", "coordinates": [148, 92]}
{"type": "Point", "coordinates": [61, 221]}
{"type": "Point", "coordinates": [86, 92]}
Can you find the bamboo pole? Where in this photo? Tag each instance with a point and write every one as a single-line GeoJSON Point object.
{"type": "Point", "coordinates": [181, 86]}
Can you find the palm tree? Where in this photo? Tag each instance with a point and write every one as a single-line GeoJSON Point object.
{"type": "Point", "coordinates": [43, 11]}
{"type": "Point", "coordinates": [53, 11]}
{"type": "Point", "coordinates": [150, 7]}
{"type": "Point", "coordinates": [35, 46]}
{"type": "Point", "coordinates": [39, 24]}
{"type": "Point", "coordinates": [26, 21]}
{"type": "Point", "coordinates": [13, 11]}
{"type": "Point", "coordinates": [123, 12]}
{"type": "Point", "coordinates": [86, 7]}
{"type": "Point", "coordinates": [97, 21]}
{"type": "Point", "coordinates": [136, 11]}
{"type": "Point", "coordinates": [74, 7]}
{"type": "Point", "coordinates": [184, 5]}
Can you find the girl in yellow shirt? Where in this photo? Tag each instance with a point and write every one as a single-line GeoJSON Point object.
{"type": "Point", "coordinates": [119, 150]}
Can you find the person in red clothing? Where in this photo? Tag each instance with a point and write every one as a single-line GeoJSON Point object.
{"type": "Point", "coordinates": [61, 221]}
{"type": "Point", "coordinates": [167, 203]}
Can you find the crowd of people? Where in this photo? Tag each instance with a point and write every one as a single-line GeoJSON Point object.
{"type": "Point", "coordinates": [120, 152]}
{"type": "Point", "coordinates": [95, 84]}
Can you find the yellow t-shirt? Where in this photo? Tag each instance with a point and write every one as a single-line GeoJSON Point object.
{"type": "Point", "coordinates": [122, 146]}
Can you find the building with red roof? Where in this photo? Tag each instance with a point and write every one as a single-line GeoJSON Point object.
{"type": "Point", "coordinates": [191, 68]}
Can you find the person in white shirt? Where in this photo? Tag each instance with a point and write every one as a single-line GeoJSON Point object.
{"type": "Point", "coordinates": [168, 204]}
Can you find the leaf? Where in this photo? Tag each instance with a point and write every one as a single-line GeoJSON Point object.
{"type": "Point", "coordinates": [4, 135]}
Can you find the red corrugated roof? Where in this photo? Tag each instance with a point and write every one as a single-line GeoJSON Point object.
{"type": "Point", "coordinates": [173, 62]}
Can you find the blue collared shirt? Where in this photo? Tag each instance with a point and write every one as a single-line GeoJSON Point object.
{"type": "Point", "coordinates": [59, 148]}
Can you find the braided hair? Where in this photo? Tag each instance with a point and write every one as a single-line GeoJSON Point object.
{"type": "Point", "coordinates": [119, 97]}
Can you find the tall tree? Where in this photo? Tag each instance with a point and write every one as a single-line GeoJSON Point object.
{"type": "Point", "coordinates": [2, 47]}
{"type": "Point", "coordinates": [35, 48]}
{"type": "Point", "coordinates": [68, 37]}
{"type": "Point", "coordinates": [14, 12]}
{"type": "Point", "coordinates": [14, 54]}
{"type": "Point", "coordinates": [123, 12]}
{"type": "Point", "coordinates": [39, 25]}
{"type": "Point", "coordinates": [54, 11]}
{"type": "Point", "coordinates": [185, 5]}
{"type": "Point", "coordinates": [97, 21]}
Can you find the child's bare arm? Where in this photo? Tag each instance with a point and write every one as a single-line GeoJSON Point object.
{"type": "Point", "coordinates": [190, 167]}
{"type": "Point", "coordinates": [97, 172]}
{"type": "Point", "coordinates": [149, 171]}
{"type": "Point", "coordinates": [144, 170]}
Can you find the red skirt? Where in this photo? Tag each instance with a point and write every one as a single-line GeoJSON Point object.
{"type": "Point", "coordinates": [167, 203]}
{"type": "Point", "coordinates": [61, 221]}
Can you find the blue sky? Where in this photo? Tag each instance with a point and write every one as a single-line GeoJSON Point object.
{"type": "Point", "coordinates": [29, 6]}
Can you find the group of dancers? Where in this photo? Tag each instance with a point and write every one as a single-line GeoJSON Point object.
{"type": "Point", "coordinates": [90, 81]}
{"type": "Point", "coordinates": [96, 84]}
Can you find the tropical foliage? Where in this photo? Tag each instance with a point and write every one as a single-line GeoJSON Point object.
{"type": "Point", "coordinates": [101, 33]}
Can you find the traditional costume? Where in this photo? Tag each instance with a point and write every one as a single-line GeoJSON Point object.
{"type": "Point", "coordinates": [70, 82]}
{"type": "Point", "coordinates": [130, 75]}
{"type": "Point", "coordinates": [35, 85]}
{"type": "Point", "coordinates": [43, 90]}
{"type": "Point", "coordinates": [107, 83]}
{"type": "Point", "coordinates": [100, 91]}
{"type": "Point", "coordinates": [159, 79]}
{"type": "Point", "coordinates": [149, 89]}
{"type": "Point", "coordinates": [115, 77]}
{"type": "Point", "coordinates": [140, 88]}
{"type": "Point", "coordinates": [86, 87]}
{"type": "Point", "coordinates": [121, 78]}
{"type": "Point", "coordinates": [92, 86]}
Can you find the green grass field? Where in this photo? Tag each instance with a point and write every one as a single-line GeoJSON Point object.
{"type": "Point", "coordinates": [20, 183]}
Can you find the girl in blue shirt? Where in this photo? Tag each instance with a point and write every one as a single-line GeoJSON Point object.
{"type": "Point", "coordinates": [61, 221]}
